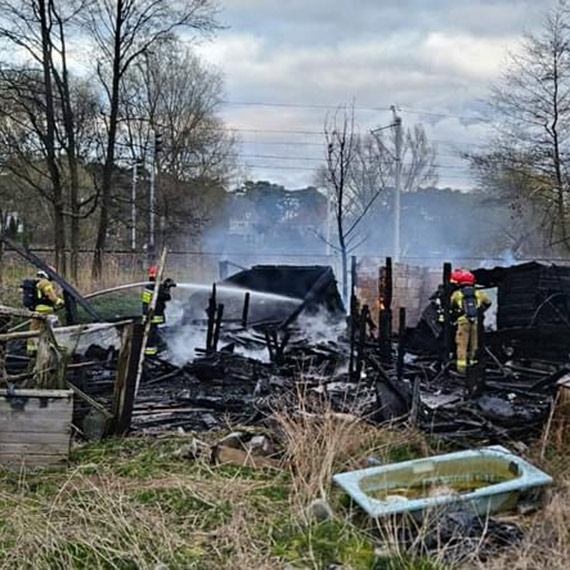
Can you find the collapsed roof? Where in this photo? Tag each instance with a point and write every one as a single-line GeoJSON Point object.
{"type": "Point", "coordinates": [280, 294]}
{"type": "Point", "coordinates": [293, 281]}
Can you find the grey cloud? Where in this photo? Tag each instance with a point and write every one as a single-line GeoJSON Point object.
{"type": "Point", "coordinates": [438, 55]}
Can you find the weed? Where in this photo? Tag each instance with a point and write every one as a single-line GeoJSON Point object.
{"type": "Point", "coordinates": [322, 544]}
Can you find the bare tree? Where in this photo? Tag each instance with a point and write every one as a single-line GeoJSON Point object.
{"type": "Point", "coordinates": [361, 168]}
{"type": "Point", "coordinates": [123, 31]}
{"type": "Point", "coordinates": [376, 163]}
{"type": "Point", "coordinates": [339, 176]}
{"type": "Point", "coordinates": [38, 101]}
{"type": "Point", "coordinates": [531, 145]}
{"type": "Point", "coordinates": [27, 26]}
{"type": "Point", "coordinates": [170, 92]}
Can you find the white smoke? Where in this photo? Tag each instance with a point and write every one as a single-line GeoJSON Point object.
{"type": "Point", "coordinates": [321, 327]}
{"type": "Point", "coordinates": [182, 343]}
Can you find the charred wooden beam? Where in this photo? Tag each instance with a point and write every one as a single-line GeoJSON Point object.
{"type": "Point", "coordinates": [217, 326]}
{"type": "Point", "coordinates": [353, 276]}
{"type": "Point", "coordinates": [211, 313]}
{"type": "Point", "coordinates": [401, 344]}
{"type": "Point", "coordinates": [245, 312]}
{"type": "Point", "coordinates": [388, 284]}
{"type": "Point", "coordinates": [125, 382]}
{"type": "Point", "coordinates": [321, 283]}
{"type": "Point", "coordinates": [269, 342]}
{"type": "Point", "coordinates": [361, 342]}
{"type": "Point", "coordinates": [446, 306]}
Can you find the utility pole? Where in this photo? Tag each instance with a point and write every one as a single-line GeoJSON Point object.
{"type": "Point", "coordinates": [134, 207]}
{"type": "Point", "coordinates": [329, 221]}
{"type": "Point", "coordinates": [152, 199]}
{"type": "Point", "coordinates": [397, 185]}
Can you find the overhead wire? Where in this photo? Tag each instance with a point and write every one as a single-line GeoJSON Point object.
{"type": "Point", "coordinates": [321, 160]}
{"type": "Point", "coordinates": [369, 108]}
{"type": "Point", "coordinates": [307, 169]}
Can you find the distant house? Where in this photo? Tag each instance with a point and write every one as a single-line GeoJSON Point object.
{"type": "Point", "coordinates": [275, 219]}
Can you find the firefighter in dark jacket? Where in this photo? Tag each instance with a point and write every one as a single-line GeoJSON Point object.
{"type": "Point", "coordinates": [467, 305]}
{"type": "Point", "coordinates": [159, 318]}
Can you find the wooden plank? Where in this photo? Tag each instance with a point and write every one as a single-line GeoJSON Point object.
{"type": "Point", "coordinates": [35, 405]}
{"type": "Point", "coordinates": [16, 462]}
{"type": "Point", "coordinates": [4, 310]}
{"type": "Point", "coordinates": [223, 455]}
{"type": "Point", "coordinates": [148, 318]}
{"type": "Point", "coordinates": [45, 414]}
{"type": "Point", "coordinates": [60, 331]}
{"type": "Point", "coordinates": [33, 423]}
{"type": "Point", "coordinates": [91, 401]}
{"type": "Point", "coordinates": [125, 382]}
{"type": "Point", "coordinates": [34, 448]}
{"type": "Point", "coordinates": [60, 437]}
{"type": "Point", "coordinates": [35, 427]}
{"type": "Point", "coordinates": [31, 393]}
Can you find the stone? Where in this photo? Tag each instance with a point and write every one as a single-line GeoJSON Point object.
{"type": "Point", "coordinates": [234, 440]}
{"type": "Point", "coordinates": [260, 445]}
{"type": "Point", "coordinates": [192, 450]}
{"type": "Point", "coordinates": [319, 510]}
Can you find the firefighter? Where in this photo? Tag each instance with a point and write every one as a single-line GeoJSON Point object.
{"type": "Point", "coordinates": [467, 305]}
{"type": "Point", "coordinates": [46, 302]}
{"type": "Point", "coordinates": [159, 317]}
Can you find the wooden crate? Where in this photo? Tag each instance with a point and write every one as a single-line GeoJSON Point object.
{"type": "Point", "coordinates": [35, 427]}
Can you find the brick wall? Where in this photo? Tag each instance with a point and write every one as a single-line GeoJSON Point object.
{"type": "Point", "coordinates": [412, 287]}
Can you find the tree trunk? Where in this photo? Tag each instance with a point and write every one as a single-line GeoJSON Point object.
{"type": "Point", "coordinates": [57, 193]}
{"type": "Point", "coordinates": [71, 146]}
{"type": "Point", "coordinates": [74, 236]}
{"type": "Point", "coordinates": [2, 230]}
{"type": "Point", "coordinates": [344, 257]}
{"type": "Point", "coordinates": [108, 168]}
{"type": "Point", "coordinates": [60, 261]}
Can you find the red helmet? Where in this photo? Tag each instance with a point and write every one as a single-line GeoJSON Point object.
{"type": "Point", "coordinates": [462, 277]}
{"type": "Point", "coordinates": [152, 272]}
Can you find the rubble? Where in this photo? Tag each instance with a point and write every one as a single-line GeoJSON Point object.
{"type": "Point", "coordinates": [461, 535]}
{"type": "Point", "coordinates": [350, 365]}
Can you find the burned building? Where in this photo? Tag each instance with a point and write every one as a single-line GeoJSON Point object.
{"type": "Point", "coordinates": [533, 308]}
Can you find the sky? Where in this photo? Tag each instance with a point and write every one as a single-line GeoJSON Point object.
{"type": "Point", "coordinates": [287, 63]}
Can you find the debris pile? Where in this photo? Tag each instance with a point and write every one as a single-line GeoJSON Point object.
{"type": "Point", "coordinates": [505, 402]}
{"type": "Point", "coordinates": [310, 354]}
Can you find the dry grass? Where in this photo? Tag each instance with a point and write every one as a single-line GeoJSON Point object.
{"type": "Point", "coordinates": [135, 511]}
{"type": "Point", "coordinates": [135, 504]}
{"type": "Point", "coordinates": [321, 444]}
{"type": "Point", "coordinates": [547, 543]}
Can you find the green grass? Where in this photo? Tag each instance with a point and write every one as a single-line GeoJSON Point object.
{"type": "Point", "coordinates": [407, 563]}
{"type": "Point", "coordinates": [132, 503]}
{"type": "Point", "coordinates": [321, 544]}
{"type": "Point", "coordinates": [115, 306]}
{"type": "Point", "coordinates": [135, 503]}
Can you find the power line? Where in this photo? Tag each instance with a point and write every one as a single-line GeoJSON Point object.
{"type": "Point", "coordinates": [321, 160]}
{"type": "Point", "coordinates": [322, 133]}
{"type": "Point", "coordinates": [306, 169]}
{"type": "Point", "coordinates": [406, 109]}
{"type": "Point", "coordinates": [321, 145]}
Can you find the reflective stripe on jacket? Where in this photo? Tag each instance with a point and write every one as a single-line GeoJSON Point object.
{"type": "Point", "coordinates": [47, 296]}
{"type": "Point", "coordinates": [457, 306]}
{"type": "Point", "coordinates": [163, 298]}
